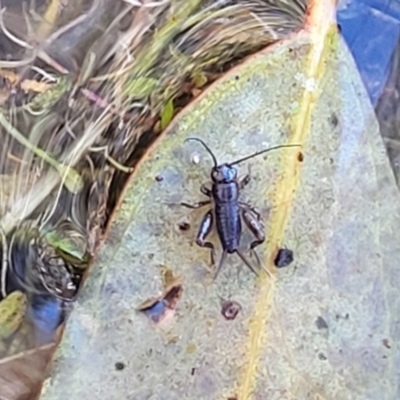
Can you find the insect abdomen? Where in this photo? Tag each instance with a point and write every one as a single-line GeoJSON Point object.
{"type": "Point", "coordinates": [227, 215]}
{"type": "Point", "coordinates": [228, 226]}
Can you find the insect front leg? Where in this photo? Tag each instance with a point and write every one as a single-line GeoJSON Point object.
{"type": "Point", "coordinates": [196, 205]}
{"type": "Point", "coordinates": [205, 190]}
{"type": "Point", "coordinates": [204, 230]}
{"type": "Point", "coordinates": [245, 181]}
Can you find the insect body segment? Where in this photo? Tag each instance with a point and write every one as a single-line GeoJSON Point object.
{"type": "Point", "coordinates": [228, 211]}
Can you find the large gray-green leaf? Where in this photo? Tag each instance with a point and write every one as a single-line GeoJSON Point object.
{"type": "Point", "coordinates": [327, 326]}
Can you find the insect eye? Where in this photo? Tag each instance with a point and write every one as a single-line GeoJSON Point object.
{"type": "Point", "coordinates": [216, 173]}
{"type": "Point", "coordinates": [232, 173]}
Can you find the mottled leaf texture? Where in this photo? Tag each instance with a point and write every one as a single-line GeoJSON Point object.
{"type": "Point", "coordinates": [324, 327]}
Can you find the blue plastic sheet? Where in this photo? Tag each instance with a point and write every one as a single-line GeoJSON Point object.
{"type": "Point", "coordinates": [371, 30]}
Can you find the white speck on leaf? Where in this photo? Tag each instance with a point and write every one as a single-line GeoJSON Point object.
{"type": "Point", "coordinates": [195, 158]}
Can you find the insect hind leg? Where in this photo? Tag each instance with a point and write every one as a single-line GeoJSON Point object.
{"type": "Point", "coordinates": [247, 207]}
{"type": "Point", "coordinates": [204, 230]}
{"type": "Point", "coordinates": [255, 227]}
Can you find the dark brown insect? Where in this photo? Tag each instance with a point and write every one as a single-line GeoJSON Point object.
{"type": "Point", "coordinates": [229, 211]}
{"type": "Point", "coordinates": [300, 156]}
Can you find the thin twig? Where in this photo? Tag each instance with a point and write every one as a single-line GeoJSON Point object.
{"type": "Point", "coordinates": [4, 264]}
{"type": "Point", "coordinates": [10, 36]}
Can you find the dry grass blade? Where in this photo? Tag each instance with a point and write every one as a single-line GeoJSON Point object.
{"type": "Point", "coordinates": [24, 206]}
{"type": "Point", "coordinates": [70, 177]}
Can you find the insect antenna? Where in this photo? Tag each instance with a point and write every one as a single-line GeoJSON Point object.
{"type": "Point", "coordinates": [262, 152]}
{"type": "Point", "coordinates": [207, 148]}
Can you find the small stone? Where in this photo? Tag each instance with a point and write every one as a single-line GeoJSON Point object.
{"type": "Point", "coordinates": [283, 258]}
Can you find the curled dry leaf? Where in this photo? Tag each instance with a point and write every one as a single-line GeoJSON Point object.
{"type": "Point", "coordinates": [21, 375]}
{"type": "Point", "coordinates": [337, 209]}
{"type": "Point", "coordinates": [158, 308]}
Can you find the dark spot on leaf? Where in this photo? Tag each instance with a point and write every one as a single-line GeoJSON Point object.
{"type": "Point", "coordinates": [300, 157]}
{"type": "Point", "coordinates": [119, 366]}
{"type": "Point", "coordinates": [322, 356]}
{"type": "Point", "coordinates": [230, 309]}
{"type": "Point", "coordinates": [159, 178]}
{"type": "Point", "coordinates": [334, 120]}
{"type": "Point", "coordinates": [386, 343]}
{"type": "Point", "coordinates": [321, 323]}
{"type": "Point", "coordinates": [172, 295]}
{"type": "Point", "coordinates": [283, 258]}
{"type": "Point", "coordinates": [184, 226]}
{"type": "Point", "coordinates": [192, 372]}
{"type": "Point", "coordinates": [237, 77]}
{"type": "Point", "coordinates": [345, 316]}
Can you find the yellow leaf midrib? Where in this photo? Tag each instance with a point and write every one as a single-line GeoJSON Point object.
{"type": "Point", "coordinates": [320, 26]}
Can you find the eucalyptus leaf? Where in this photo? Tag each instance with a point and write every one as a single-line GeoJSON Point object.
{"type": "Point", "coordinates": [67, 247]}
{"type": "Point", "coordinates": [167, 114]}
{"type": "Point", "coordinates": [12, 313]}
{"type": "Point", "coordinates": [324, 327]}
